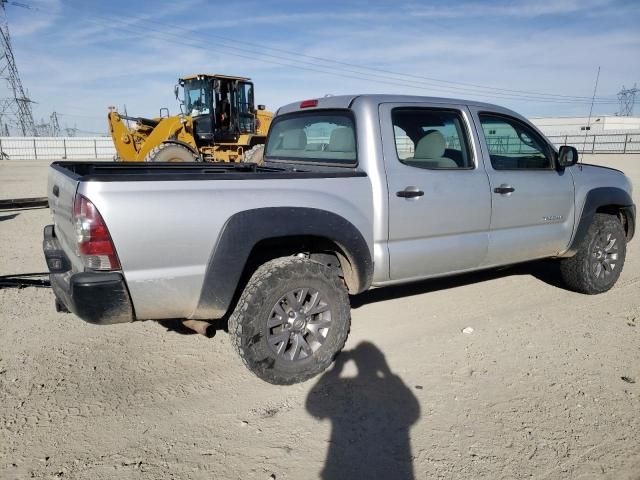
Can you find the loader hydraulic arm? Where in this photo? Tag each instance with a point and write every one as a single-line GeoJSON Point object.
{"type": "Point", "coordinates": [133, 144]}
{"type": "Point", "coordinates": [149, 122]}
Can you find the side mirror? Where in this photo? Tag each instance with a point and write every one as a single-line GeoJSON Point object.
{"type": "Point", "coordinates": [176, 92]}
{"type": "Point", "coordinates": [261, 107]}
{"type": "Point", "coordinates": [567, 156]}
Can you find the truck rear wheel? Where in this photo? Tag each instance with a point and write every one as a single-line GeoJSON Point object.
{"type": "Point", "coordinates": [170, 152]}
{"type": "Point", "coordinates": [291, 320]}
{"type": "Point", "coordinates": [597, 265]}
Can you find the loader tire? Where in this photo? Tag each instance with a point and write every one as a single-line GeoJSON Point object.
{"type": "Point", "coordinates": [170, 152]}
{"type": "Point", "coordinates": [254, 155]}
{"type": "Point", "coordinates": [291, 320]}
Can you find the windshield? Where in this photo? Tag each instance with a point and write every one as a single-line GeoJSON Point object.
{"type": "Point", "coordinates": [197, 97]}
{"type": "Point", "coordinates": [319, 137]}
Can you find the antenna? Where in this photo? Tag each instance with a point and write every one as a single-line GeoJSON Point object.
{"type": "Point", "coordinates": [18, 105]}
{"type": "Point", "coordinates": [593, 99]}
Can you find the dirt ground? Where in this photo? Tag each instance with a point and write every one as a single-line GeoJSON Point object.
{"type": "Point", "coordinates": [547, 385]}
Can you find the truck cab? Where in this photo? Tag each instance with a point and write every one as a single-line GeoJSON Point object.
{"type": "Point", "coordinates": [458, 185]}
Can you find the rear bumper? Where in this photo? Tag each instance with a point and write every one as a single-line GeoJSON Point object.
{"type": "Point", "coordinates": [96, 297]}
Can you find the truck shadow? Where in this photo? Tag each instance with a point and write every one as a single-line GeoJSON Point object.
{"type": "Point", "coordinates": [175, 325]}
{"type": "Point", "coordinates": [547, 271]}
{"type": "Point", "coordinates": [370, 415]}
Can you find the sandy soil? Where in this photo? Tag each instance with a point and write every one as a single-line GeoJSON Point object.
{"type": "Point", "coordinates": [535, 391]}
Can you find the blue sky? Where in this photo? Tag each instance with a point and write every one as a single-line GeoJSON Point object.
{"type": "Point", "coordinates": [78, 57]}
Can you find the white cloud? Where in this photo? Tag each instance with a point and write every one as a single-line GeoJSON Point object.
{"type": "Point", "coordinates": [90, 66]}
{"type": "Point", "coordinates": [522, 8]}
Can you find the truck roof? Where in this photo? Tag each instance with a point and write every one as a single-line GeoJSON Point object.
{"type": "Point", "coordinates": [212, 75]}
{"type": "Point", "coordinates": [346, 101]}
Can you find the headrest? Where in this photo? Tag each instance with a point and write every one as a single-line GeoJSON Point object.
{"type": "Point", "coordinates": [294, 140]}
{"type": "Point", "coordinates": [432, 145]}
{"type": "Point", "coordinates": [341, 140]}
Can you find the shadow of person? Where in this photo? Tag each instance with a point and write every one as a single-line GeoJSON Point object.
{"type": "Point", "coordinates": [370, 415]}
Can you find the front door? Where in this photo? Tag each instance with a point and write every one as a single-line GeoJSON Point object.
{"type": "Point", "coordinates": [533, 202]}
{"type": "Point", "coordinates": [439, 200]}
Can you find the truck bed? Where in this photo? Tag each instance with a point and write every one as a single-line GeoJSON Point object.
{"type": "Point", "coordinates": [139, 171]}
{"type": "Point", "coordinates": [166, 219]}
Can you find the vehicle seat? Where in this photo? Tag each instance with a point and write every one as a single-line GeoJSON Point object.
{"type": "Point", "coordinates": [341, 140]}
{"type": "Point", "coordinates": [294, 140]}
{"type": "Point", "coordinates": [430, 150]}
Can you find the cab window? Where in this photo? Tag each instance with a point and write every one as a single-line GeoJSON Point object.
{"type": "Point", "coordinates": [513, 145]}
{"type": "Point", "coordinates": [431, 138]}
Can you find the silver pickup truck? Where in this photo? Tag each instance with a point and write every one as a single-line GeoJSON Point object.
{"type": "Point", "coordinates": [355, 192]}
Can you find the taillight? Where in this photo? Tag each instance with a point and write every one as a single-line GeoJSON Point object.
{"type": "Point", "coordinates": [309, 103]}
{"type": "Point", "coordinates": [95, 247]}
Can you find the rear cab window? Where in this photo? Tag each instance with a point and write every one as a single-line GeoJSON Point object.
{"type": "Point", "coordinates": [322, 137]}
{"type": "Point", "coordinates": [431, 138]}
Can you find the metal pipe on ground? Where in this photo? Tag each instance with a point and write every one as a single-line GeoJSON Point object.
{"type": "Point", "coordinates": [15, 203]}
{"type": "Point", "coordinates": [24, 280]}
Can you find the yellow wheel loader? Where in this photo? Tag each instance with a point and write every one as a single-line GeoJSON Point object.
{"type": "Point", "coordinates": [219, 123]}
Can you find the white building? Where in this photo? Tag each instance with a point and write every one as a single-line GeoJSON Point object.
{"type": "Point", "coordinates": [598, 124]}
{"type": "Point", "coordinates": [602, 134]}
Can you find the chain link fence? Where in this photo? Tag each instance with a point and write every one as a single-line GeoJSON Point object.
{"type": "Point", "coordinates": [101, 148]}
{"type": "Point", "coordinates": [56, 148]}
{"type": "Point", "coordinates": [600, 142]}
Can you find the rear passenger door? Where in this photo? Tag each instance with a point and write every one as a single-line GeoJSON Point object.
{"type": "Point", "coordinates": [533, 202]}
{"type": "Point", "coordinates": [439, 200]}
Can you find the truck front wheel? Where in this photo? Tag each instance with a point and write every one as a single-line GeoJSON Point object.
{"type": "Point", "coordinates": [597, 265]}
{"type": "Point", "coordinates": [291, 320]}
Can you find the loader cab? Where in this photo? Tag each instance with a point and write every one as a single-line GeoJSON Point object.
{"type": "Point", "coordinates": [222, 107]}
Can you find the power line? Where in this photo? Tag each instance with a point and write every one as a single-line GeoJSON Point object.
{"type": "Point", "coordinates": [64, 114]}
{"type": "Point", "coordinates": [367, 68]}
{"type": "Point", "coordinates": [310, 66]}
{"type": "Point", "coordinates": [326, 60]}
{"type": "Point", "coordinates": [351, 73]}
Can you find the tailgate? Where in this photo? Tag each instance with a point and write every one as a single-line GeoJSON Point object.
{"type": "Point", "coordinates": [61, 191]}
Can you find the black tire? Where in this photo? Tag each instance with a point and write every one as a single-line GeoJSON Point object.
{"type": "Point", "coordinates": [170, 152]}
{"type": "Point", "coordinates": [604, 244]}
{"type": "Point", "coordinates": [254, 155]}
{"type": "Point", "coordinates": [251, 325]}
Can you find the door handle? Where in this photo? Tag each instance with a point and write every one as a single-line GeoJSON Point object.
{"type": "Point", "coordinates": [56, 190]}
{"type": "Point", "coordinates": [410, 192]}
{"type": "Point", "coordinates": [504, 189]}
